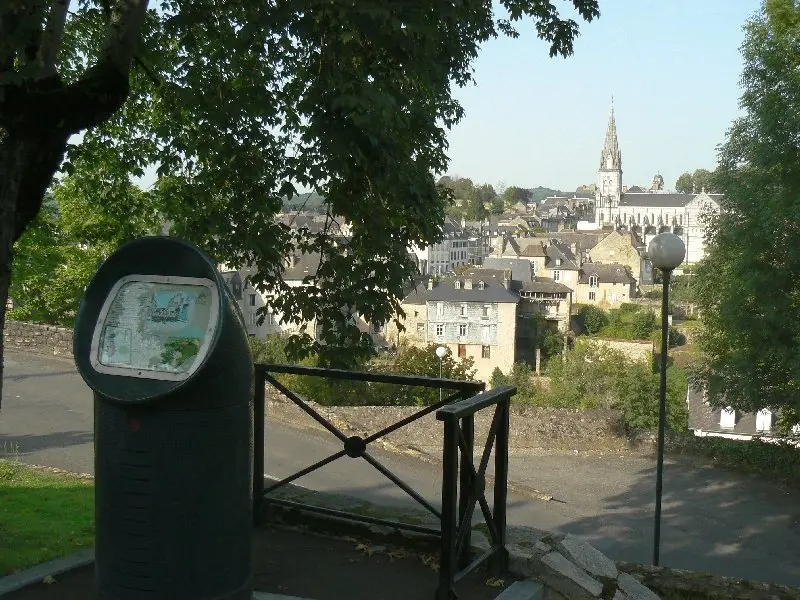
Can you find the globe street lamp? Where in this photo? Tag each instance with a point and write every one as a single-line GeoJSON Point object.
{"type": "Point", "coordinates": [665, 251]}
{"type": "Point", "coordinates": [441, 352]}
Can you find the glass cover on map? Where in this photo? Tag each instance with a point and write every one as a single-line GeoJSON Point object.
{"type": "Point", "coordinates": [154, 326]}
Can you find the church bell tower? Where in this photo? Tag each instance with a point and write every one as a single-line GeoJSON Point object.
{"type": "Point", "coordinates": [609, 176]}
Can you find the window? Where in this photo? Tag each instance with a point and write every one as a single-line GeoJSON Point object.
{"type": "Point", "coordinates": [252, 299]}
{"type": "Point", "coordinates": [486, 352]}
{"type": "Point", "coordinates": [254, 319]}
{"type": "Point", "coordinates": [556, 275]}
{"type": "Point", "coordinates": [270, 320]}
{"type": "Point", "coordinates": [439, 330]}
{"type": "Point", "coordinates": [457, 284]}
{"type": "Point", "coordinates": [462, 330]}
{"type": "Point", "coordinates": [591, 295]}
{"type": "Point", "coordinates": [420, 327]}
{"type": "Point", "coordinates": [593, 281]}
{"type": "Point", "coordinates": [727, 418]}
{"type": "Point", "coordinates": [440, 308]}
{"type": "Point", "coordinates": [558, 262]}
{"type": "Point", "coordinates": [764, 420]}
{"type": "Point", "coordinates": [481, 285]}
{"type": "Point", "coordinates": [487, 310]}
{"type": "Point", "coordinates": [463, 310]}
{"type": "Point", "coordinates": [462, 351]}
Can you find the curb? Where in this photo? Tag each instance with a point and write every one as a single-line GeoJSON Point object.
{"type": "Point", "coordinates": [22, 579]}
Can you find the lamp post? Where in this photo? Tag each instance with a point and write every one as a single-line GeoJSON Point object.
{"type": "Point", "coordinates": [665, 251]}
{"type": "Point", "coordinates": [441, 352]}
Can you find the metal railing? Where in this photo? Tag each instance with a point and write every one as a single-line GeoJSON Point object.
{"type": "Point", "coordinates": [463, 486]}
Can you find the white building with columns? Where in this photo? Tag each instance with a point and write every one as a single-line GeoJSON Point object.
{"type": "Point", "coordinates": [648, 212]}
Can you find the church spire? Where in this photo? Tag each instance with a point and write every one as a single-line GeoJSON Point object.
{"type": "Point", "coordinates": [611, 157]}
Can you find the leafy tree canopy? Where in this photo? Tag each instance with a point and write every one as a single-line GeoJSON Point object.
{"type": "Point", "coordinates": [748, 287]}
{"type": "Point", "coordinates": [694, 183]}
{"type": "Point", "coordinates": [63, 246]}
{"type": "Point", "coordinates": [236, 103]}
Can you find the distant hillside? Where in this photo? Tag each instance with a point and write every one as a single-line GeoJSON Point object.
{"type": "Point", "coordinates": [306, 201]}
{"type": "Point", "coordinates": [539, 193]}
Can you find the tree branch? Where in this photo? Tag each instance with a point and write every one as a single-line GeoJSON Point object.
{"type": "Point", "coordinates": [53, 33]}
{"type": "Point", "coordinates": [147, 70]}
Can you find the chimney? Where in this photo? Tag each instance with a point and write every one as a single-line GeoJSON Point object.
{"type": "Point", "coordinates": [507, 278]}
{"type": "Point", "coordinates": [573, 247]}
{"type": "Point", "coordinates": [468, 283]}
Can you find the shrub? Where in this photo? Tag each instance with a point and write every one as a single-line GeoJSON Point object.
{"type": "Point", "coordinates": [778, 461]}
{"type": "Point", "coordinates": [592, 318]}
{"type": "Point", "coordinates": [643, 324]}
{"type": "Point", "coordinates": [627, 308]}
{"type": "Point", "coordinates": [638, 391]}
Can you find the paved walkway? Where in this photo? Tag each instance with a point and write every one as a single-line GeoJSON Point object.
{"type": "Point", "coordinates": [309, 566]}
{"type": "Point", "coordinates": [713, 520]}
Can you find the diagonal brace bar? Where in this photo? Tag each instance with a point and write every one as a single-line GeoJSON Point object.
{"type": "Point", "coordinates": [302, 404]}
{"type": "Point", "coordinates": [306, 471]}
{"type": "Point", "coordinates": [410, 419]}
{"type": "Point", "coordinates": [401, 484]}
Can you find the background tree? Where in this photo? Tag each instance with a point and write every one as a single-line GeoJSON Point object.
{"type": "Point", "coordinates": [514, 194]}
{"type": "Point", "coordinates": [685, 183]}
{"type": "Point", "coordinates": [62, 248]}
{"type": "Point", "coordinates": [237, 103]}
{"type": "Point", "coordinates": [694, 183]}
{"type": "Point", "coordinates": [748, 287]}
{"type": "Point", "coordinates": [704, 179]}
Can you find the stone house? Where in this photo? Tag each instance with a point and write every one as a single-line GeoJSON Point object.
{"type": "Point", "coordinates": [704, 420]}
{"type": "Point", "coordinates": [548, 258]}
{"type": "Point", "coordinates": [249, 301]}
{"type": "Point", "coordinates": [627, 249]}
{"type": "Point", "coordinates": [474, 315]}
{"type": "Point", "coordinates": [605, 285]}
{"type": "Point", "coordinates": [459, 246]}
{"type": "Point", "coordinates": [538, 295]}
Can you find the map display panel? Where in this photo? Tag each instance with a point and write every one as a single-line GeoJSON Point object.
{"type": "Point", "coordinates": [159, 328]}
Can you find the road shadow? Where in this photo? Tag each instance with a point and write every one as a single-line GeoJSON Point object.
{"type": "Point", "coordinates": [23, 376]}
{"type": "Point", "coordinates": [712, 520]}
{"type": "Point", "coordinates": [20, 445]}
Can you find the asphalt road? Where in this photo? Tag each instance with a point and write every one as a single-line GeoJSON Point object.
{"type": "Point", "coordinates": [713, 520]}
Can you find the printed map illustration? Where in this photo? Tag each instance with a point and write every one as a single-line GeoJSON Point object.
{"type": "Point", "coordinates": [155, 326]}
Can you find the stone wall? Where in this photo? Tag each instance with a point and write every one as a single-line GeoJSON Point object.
{"type": "Point", "coordinates": [632, 349]}
{"type": "Point", "coordinates": [531, 427]}
{"type": "Point", "coordinates": [40, 339]}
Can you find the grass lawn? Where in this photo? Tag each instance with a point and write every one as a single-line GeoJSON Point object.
{"type": "Point", "coordinates": [42, 516]}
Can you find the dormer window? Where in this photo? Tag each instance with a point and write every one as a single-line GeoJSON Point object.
{"type": "Point", "coordinates": [481, 285]}
{"type": "Point", "coordinates": [457, 284]}
{"type": "Point", "coordinates": [593, 281]}
{"type": "Point", "coordinates": [558, 262]}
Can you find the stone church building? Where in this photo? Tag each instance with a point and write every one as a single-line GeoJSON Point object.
{"type": "Point", "coordinates": [648, 212]}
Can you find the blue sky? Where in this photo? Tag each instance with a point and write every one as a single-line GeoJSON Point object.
{"type": "Point", "coordinates": [672, 66]}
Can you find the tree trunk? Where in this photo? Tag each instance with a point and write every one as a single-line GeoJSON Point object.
{"type": "Point", "coordinates": [27, 166]}
{"type": "Point", "coordinates": [38, 116]}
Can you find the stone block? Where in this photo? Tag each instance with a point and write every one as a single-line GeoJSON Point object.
{"type": "Point", "coordinates": [567, 578]}
{"type": "Point", "coordinates": [634, 590]}
{"type": "Point", "coordinates": [587, 557]}
{"type": "Point", "coordinates": [522, 561]}
{"type": "Point", "coordinates": [523, 590]}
